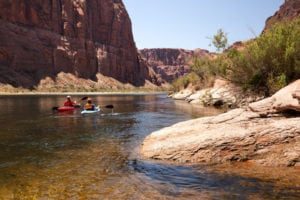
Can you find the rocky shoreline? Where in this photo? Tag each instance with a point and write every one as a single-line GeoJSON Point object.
{"type": "Point", "coordinates": [264, 133]}
{"type": "Point", "coordinates": [221, 94]}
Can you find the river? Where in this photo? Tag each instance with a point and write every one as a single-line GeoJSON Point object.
{"type": "Point", "coordinates": [46, 155]}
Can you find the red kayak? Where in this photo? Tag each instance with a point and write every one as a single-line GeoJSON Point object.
{"type": "Point", "coordinates": [65, 108]}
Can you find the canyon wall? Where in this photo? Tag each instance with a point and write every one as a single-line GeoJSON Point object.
{"type": "Point", "coordinates": [40, 39]}
{"type": "Point", "coordinates": [289, 10]}
{"type": "Point", "coordinates": [170, 64]}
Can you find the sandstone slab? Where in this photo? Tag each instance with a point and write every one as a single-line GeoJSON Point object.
{"type": "Point", "coordinates": [259, 134]}
{"type": "Point", "coordinates": [238, 135]}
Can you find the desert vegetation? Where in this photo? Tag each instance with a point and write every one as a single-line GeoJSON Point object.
{"type": "Point", "coordinates": [265, 64]}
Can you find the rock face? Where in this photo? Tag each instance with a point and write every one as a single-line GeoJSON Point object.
{"type": "Point", "coordinates": [289, 10]}
{"type": "Point", "coordinates": [222, 93]}
{"type": "Point", "coordinates": [171, 63]}
{"type": "Point", "coordinates": [82, 37]}
{"type": "Point", "coordinates": [239, 135]}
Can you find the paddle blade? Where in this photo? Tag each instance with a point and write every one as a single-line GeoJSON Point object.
{"type": "Point", "coordinates": [109, 106]}
{"type": "Point", "coordinates": [84, 98]}
{"type": "Point", "coordinates": [55, 108]}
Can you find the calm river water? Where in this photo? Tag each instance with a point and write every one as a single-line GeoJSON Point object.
{"type": "Point", "coordinates": [45, 155]}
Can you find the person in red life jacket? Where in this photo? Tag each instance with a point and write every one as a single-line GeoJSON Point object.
{"type": "Point", "coordinates": [69, 102]}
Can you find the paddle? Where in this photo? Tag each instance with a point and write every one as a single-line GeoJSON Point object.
{"type": "Point", "coordinates": [84, 98]}
{"type": "Point", "coordinates": [110, 107]}
{"type": "Point", "coordinates": [55, 108]}
{"type": "Point", "coordinates": [76, 106]}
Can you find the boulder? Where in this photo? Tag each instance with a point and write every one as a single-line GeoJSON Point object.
{"type": "Point", "coordinates": [285, 99]}
{"type": "Point", "coordinates": [197, 96]}
{"type": "Point", "coordinates": [183, 94]}
{"type": "Point", "coordinates": [223, 93]}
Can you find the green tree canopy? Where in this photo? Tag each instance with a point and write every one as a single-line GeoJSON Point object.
{"type": "Point", "coordinates": [220, 40]}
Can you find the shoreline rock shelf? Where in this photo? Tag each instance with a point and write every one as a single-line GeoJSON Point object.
{"type": "Point", "coordinates": [222, 93]}
{"type": "Point", "coordinates": [264, 133]}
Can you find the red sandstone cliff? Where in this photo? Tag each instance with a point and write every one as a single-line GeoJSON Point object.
{"type": "Point", "coordinates": [289, 10]}
{"type": "Point", "coordinates": [82, 37]}
{"type": "Point", "coordinates": [170, 64]}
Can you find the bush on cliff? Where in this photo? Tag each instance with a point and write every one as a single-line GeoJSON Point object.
{"type": "Point", "coordinates": [267, 63]}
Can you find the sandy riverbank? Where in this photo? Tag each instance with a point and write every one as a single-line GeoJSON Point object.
{"type": "Point", "coordinates": [81, 93]}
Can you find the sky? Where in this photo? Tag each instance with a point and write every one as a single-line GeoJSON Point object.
{"type": "Point", "coordinates": [189, 24]}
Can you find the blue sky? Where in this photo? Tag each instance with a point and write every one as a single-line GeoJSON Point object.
{"type": "Point", "coordinates": [188, 23]}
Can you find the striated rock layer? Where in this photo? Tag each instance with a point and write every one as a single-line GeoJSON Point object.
{"type": "Point", "coordinates": [271, 139]}
{"type": "Point", "coordinates": [82, 37]}
{"type": "Point", "coordinates": [171, 64]}
{"type": "Point", "coordinates": [289, 10]}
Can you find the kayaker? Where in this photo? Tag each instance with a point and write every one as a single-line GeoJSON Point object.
{"type": "Point", "coordinates": [69, 102]}
{"type": "Point", "coordinates": [89, 105]}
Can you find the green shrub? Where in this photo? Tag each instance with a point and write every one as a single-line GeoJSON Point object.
{"type": "Point", "coordinates": [271, 61]}
{"type": "Point", "coordinates": [207, 67]}
{"type": "Point", "coordinates": [184, 81]}
{"type": "Point", "coordinates": [266, 64]}
{"type": "Point", "coordinates": [276, 83]}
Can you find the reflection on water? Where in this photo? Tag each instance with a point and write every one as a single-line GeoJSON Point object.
{"type": "Point", "coordinates": [193, 109]}
{"type": "Point", "coordinates": [69, 156]}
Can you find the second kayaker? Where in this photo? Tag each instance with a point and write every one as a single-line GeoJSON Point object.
{"type": "Point", "coordinates": [89, 105]}
{"type": "Point", "coordinates": [69, 102]}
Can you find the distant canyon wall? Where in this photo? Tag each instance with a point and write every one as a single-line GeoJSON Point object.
{"type": "Point", "coordinates": [82, 37]}
{"type": "Point", "coordinates": [171, 64]}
